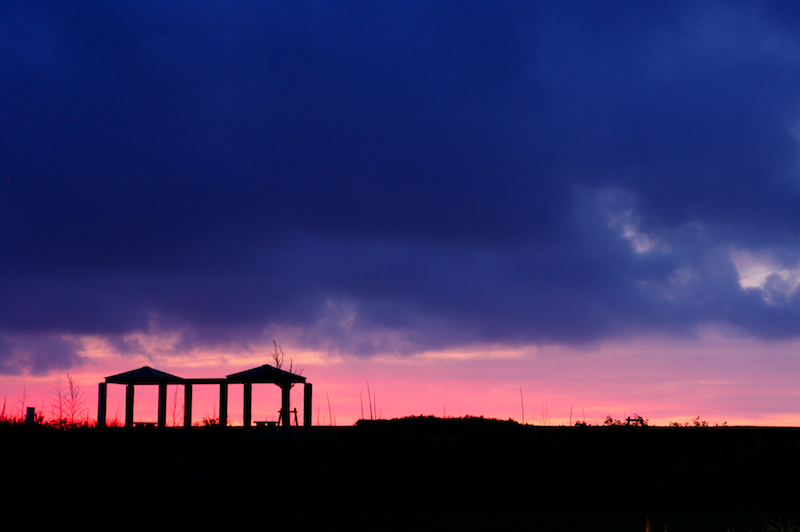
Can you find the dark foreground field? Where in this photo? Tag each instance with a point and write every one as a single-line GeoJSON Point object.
{"type": "Point", "coordinates": [410, 474]}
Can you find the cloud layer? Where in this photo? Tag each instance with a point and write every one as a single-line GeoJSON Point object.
{"type": "Point", "coordinates": [395, 178]}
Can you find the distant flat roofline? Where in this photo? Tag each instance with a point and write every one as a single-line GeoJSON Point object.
{"type": "Point", "coordinates": [206, 381]}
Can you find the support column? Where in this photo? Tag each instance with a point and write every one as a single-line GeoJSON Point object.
{"type": "Point", "coordinates": [286, 388]}
{"type": "Point", "coordinates": [307, 406]}
{"type": "Point", "coordinates": [102, 400]}
{"type": "Point", "coordinates": [223, 404]}
{"type": "Point", "coordinates": [162, 405]}
{"type": "Point", "coordinates": [187, 405]}
{"type": "Point", "coordinates": [247, 410]}
{"type": "Point", "coordinates": [129, 406]}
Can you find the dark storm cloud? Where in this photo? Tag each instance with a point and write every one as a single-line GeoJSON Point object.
{"type": "Point", "coordinates": [37, 354]}
{"type": "Point", "coordinates": [396, 177]}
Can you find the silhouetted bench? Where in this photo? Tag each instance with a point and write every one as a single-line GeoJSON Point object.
{"type": "Point", "coordinates": [266, 424]}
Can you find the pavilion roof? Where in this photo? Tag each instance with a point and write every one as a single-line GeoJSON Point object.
{"type": "Point", "coordinates": [145, 375]}
{"type": "Point", "coordinates": [266, 373]}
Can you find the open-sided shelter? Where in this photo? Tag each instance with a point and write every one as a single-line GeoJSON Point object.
{"type": "Point", "coordinates": [141, 376]}
{"type": "Point", "coordinates": [271, 375]}
{"type": "Point", "coordinates": [150, 376]}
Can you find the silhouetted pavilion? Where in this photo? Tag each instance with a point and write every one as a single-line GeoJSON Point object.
{"type": "Point", "coordinates": [272, 375]}
{"type": "Point", "coordinates": [141, 376]}
{"type": "Point", "coordinates": [149, 376]}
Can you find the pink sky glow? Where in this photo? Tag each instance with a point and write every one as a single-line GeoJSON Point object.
{"type": "Point", "coordinates": [741, 382]}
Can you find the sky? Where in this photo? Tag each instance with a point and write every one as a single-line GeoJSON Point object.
{"type": "Point", "coordinates": [508, 209]}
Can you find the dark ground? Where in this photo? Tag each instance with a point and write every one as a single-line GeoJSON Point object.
{"type": "Point", "coordinates": [409, 474]}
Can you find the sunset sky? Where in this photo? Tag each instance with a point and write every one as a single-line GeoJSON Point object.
{"type": "Point", "coordinates": [576, 208]}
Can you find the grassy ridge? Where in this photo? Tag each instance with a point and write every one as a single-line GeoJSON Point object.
{"type": "Point", "coordinates": [469, 470]}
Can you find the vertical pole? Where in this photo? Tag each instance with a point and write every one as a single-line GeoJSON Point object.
{"type": "Point", "coordinates": [285, 389]}
{"type": "Point", "coordinates": [247, 412]}
{"type": "Point", "coordinates": [307, 406]}
{"type": "Point", "coordinates": [162, 405]}
{"type": "Point", "coordinates": [223, 404]}
{"type": "Point", "coordinates": [187, 405]}
{"type": "Point", "coordinates": [102, 401]}
{"type": "Point", "coordinates": [129, 406]}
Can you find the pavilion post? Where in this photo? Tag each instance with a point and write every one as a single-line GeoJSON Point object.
{"type": "Point", "coordinates": [187, 405]}
{"type": "Point", "coordinates": [162, 405]}
{"type": "Point", "coordinates": [102, 402]}
{"type": "Point", "coordinates": [223, 404]}
{"type": "Point", "coordinates": [129, 406]}
{"type": "Point", "coordinates": [247, 411]}
{"type": "Point", "coordinates": [286, 388]}
{"type": "Point", "coordinates": [307, 405]}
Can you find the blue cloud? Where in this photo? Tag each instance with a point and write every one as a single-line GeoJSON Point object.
{"type": "Point", "coordinates": [396, 178]}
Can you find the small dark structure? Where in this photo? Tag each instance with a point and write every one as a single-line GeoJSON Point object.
{"type": "Point", "coordinates": [141, 376]}
{"type": "Point", "coordinates": [271, 375]}
{"type": "Point", "coordinates": [149, 376]}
